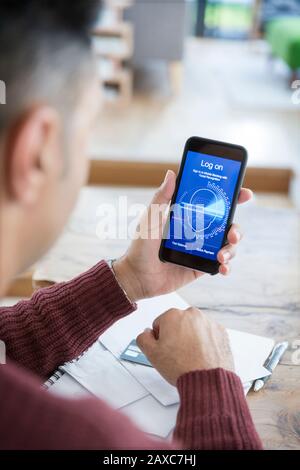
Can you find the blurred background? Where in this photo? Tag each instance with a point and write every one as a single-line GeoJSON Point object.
{"type": "Point", "coordinates": [222, 69]}
{"type": "Point", "coordinates": [170, 69]}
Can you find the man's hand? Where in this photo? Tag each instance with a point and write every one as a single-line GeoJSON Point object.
{"type": "Point", "coordinates": [182, 341]}
{"type": "Point", "coordinates": [140, 271]}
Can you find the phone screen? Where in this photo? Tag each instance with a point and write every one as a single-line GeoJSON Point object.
{"type": "Point", "coordinates": [202, 205]}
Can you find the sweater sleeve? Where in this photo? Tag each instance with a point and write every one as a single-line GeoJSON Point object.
{"type": "Point", "coordinates": [60, 322]}
{"type": "Point", "coordinates": [213, 412]}
{"type": "Point", "coordinates": [213, 415]}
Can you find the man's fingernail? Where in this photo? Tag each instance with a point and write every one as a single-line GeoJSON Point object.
{"type": "Point", "coordinates": [238, 235]}
{"type": "Point", "coordinates": [226, 256]}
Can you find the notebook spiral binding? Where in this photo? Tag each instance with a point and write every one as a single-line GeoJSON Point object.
{"type": "Point", "coordinates": [60, 372]}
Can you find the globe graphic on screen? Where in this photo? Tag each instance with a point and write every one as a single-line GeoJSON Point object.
{"type": "Point", "coordinates": [205, 210]}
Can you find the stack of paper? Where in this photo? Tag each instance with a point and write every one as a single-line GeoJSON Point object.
{"type": "Point", "coordinates": [140, 390]}
{"type": "Point", "coordinates": [100, 373]}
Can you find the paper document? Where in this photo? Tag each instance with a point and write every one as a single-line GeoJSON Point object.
{"type": "Point", "coordinates": [100, 373]}
{"type": "Point", "coordinates": [117, 337]}
{"type": "Point", "coordinates": [68, 387]}
{"type": "Point", "coordinates": [147, 413]}
{"type": "Point", "coordinates": [151, 416]}
{"type": "Point", "coordinates": [249, 354]}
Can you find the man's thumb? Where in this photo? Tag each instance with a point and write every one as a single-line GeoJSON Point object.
{"type": "Point", "coordinates": [165, 192]}
{"type": "Point", "coordinates": [146, 342]}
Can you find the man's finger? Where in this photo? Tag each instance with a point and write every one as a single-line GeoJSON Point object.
{"type": "Point", "coordinates": [226, 254]}
{"type": "Point", "coordinates": [146, 342]}
{"type": "Point", "coordinates": [159, 321]}
{"type": "Point", "coordinates": [224, 269]}
{"type": "Point", "coordinates": [235, 234]}
{"type": "Point", "coordinates": [245, 195]}
{"type": "Point", "coordinates": [165, 192]}
{"type": "Point", "coordinates": [153, 219]}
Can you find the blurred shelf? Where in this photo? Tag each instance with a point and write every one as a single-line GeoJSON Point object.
{"type": "Point", "coordinates": [112, 73]}
{"type": "Point", "coordinates": [113, 29]}
{"type": "Point", "coordinates": [112, 40]}
{"type": "Point", "coordinates": [117, 87]}
{"type": "Point", "coordinates": [114, 48]}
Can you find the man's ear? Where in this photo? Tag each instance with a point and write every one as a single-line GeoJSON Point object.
{"type": "Point", "coordinates": [32, 154]}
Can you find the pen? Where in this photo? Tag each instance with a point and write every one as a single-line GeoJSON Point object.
{"type": "Point", "coordinates": [271, 363]}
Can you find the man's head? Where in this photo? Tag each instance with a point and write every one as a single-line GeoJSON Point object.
{"type": "Point", "coordinates": [51, 101]}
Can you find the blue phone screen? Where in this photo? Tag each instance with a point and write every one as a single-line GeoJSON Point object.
{"type": "Point", "coordinates": [199, 216]}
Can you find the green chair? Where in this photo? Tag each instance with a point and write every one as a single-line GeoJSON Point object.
{"type": "Point", "coordinates": [283, 35]}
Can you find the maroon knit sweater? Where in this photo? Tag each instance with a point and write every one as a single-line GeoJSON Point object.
{"type": "Point", "coordinates": [59, 323]}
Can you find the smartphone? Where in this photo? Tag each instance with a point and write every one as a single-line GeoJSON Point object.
{"type": "Point", "coordinates": [203, 205]}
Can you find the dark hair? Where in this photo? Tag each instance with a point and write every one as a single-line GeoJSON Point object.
{"type": "Point", "coordinates": [43, 50]}
{"type": "Point", "coordinates": [68, 16]}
